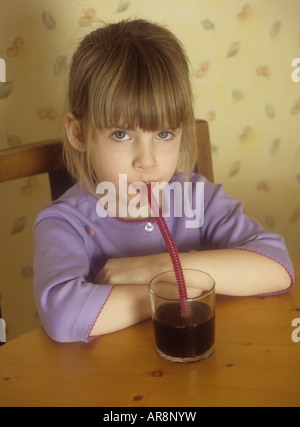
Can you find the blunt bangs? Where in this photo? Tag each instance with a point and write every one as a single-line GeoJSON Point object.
{"type": "Point", "coordinates": [139, 86]}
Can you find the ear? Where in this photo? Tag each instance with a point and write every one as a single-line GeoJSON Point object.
{"type": "Point", "coordinates": [73, 131]}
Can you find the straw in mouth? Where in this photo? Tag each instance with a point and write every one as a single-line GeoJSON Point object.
{"type": "Point", "coordinates": [173, 252]}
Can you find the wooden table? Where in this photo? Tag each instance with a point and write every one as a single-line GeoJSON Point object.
{"type": "Point", "coordinates": [255, 363]}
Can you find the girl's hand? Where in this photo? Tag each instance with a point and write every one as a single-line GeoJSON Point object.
{"type": "Point", "coordinates": [133, 270]}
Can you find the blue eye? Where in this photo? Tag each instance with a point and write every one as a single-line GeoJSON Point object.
{"type": "Point", "coordinates": [120, 135]}
{"type": "Point", "coordinates": [165, 135]}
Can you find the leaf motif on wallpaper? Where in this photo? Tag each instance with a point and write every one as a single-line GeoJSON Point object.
{"type": "Point", "coordinates": [214, 148]}
{"type": "Point", "coordinates": [48, 20]}
{"type": "Point", "coordinates": [123, 5]}
{"type": "Point", "coordinates": [275, 29]}
{"type": "Point", "coordinates": [233, 49]}
{"type": "Point", "coordinates": [207, 24]}
{"type": "Point", "coordinates": [27, 271]}
{"type": "Point", "coordinates": [295, 216]}
{"type": "Point", "coordinates": [28, 185]}
{"type": "Point", "coordinates": [14, 141]}
{"type": "Point", "coordinates": [263, 186]}
{"type": "Point", "coordinates": [246, 9]}
{"type": "Point", "coordinates": [270, 112]}
{"type": "Point", "coordinates": [47, 113]}
{"type": "Point", "coordinates": [275, 145]}
{"type": "Point", "coordinates": [245, 134]}
{"type": "Point", "coordinates": [235, 168]}
{"type": "Point", "coordinates": [89, 15]}
{"type": "Point", "coordinates": [15, 48]}
{"type": "Point", "coordinates": [270, 221]}
{"type": "Point", "coordinates": [263, 70]}
{"type": "Point", "coordinates": [237, 94]}
{"type": "Point", "coordinates": [5, 89]}
{"type": "Point", "coordinates": [211, 115]}
{"type": "Point", "coordinates": [296, 107]}
{"type": "Point", "coordinates": [18, 225]}
{"type": "Point", "coordinates": [60, 64]}
{"type": "Point", "coordinates": [202, 70]}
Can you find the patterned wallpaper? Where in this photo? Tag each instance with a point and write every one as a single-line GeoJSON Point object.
{"type": "Point", "coordinates": [241, 55]}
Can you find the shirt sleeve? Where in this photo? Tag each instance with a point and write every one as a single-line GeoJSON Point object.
{"type": "Point", "coordinates": [226, 226]}
{"type": "Point", "coordinates": [67, 301]}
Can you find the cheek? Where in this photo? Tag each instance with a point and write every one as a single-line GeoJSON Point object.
{"type": "Point", "coordinates": [170, 167]}
{"type": "Point", "coordinates": [104, 163]}
{"type": "Point", "coordinates": [108, 170]}
{"type": "Point", "coordinates": [173, 155]}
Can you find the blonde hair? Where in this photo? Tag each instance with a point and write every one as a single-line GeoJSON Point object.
{"type": "Point", "coordinates": [133, 73]}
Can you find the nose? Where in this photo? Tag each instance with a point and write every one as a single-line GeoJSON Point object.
{"type": "Point", "coordinates": [144, 158]}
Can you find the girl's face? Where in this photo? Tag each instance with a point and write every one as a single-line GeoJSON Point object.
{"type": "Point", "coordinates": [142, 156]}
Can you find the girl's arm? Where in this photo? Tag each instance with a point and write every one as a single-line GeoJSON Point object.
{"type": "Point", "coordinates": [126, 306]}
{"type": "Point", "coordinates": [236, 272]}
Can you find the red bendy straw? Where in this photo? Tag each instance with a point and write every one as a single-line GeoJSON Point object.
{"type": "Point", "coordinates": [172, 249]}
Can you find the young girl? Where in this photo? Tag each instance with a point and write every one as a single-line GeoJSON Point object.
{"type": "Point", "coordinates": [131, 114]}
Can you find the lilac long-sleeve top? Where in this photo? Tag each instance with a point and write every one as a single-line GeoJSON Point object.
{"type": "Point", "coordinates": [72, 243]}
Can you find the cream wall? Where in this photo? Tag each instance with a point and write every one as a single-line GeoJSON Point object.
{"type": "Point", "coordinates": [241, 53]}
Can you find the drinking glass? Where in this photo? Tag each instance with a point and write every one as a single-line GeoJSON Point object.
{"type": "Point", "coordinates": [184, 329]}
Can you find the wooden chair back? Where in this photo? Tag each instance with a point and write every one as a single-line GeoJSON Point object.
{"type": "Point", "coordinates": [35, 159]}
{"type": "Point", "coordinates": [204, 164]}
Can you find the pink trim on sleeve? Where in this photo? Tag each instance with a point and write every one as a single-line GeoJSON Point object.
{"type": "Point", "coordinates": [289, 273]}
{"type": "Point", "coordinates": [89, 339]}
